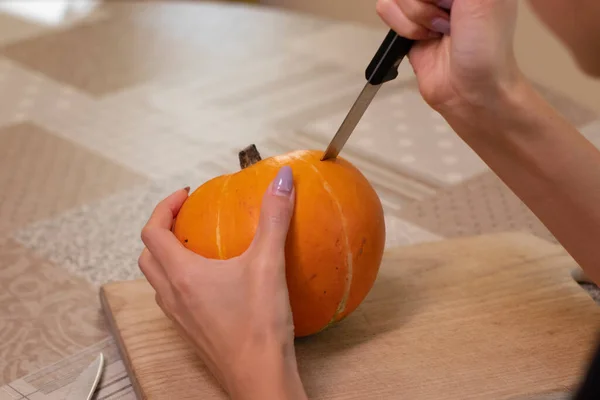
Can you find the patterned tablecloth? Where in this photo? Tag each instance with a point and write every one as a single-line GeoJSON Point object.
{"type": "Point", "coordinates": [105, 113]}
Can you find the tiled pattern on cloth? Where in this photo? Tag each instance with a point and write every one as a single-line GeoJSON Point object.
{"type": "Point", "coordinates": [151, 40]}
{"type": "Point", "coordinates": [260, 98]}
{"type": "Point", "coordinates": [263, 97]}
{"type": "Point", "coordinates": [42, 175]}
{"type": "Point", "coordinates": [100, 241]}
{"type": "Point", "coordinates": [13, 28]}
{"type": "Point", "coordinates": [55, 381]}
{"type": "Point", "coordinates": [47, 313]}
{"type": "Point", "coordinates": [109, 67]}
{"type": "Point", "coordinates": [160, 129]}
{"type": "Point", "coordinates": [254, 99]}
{"type": "Point", "coordinates": [483, 204]}
{"type": "Point", "coordinates": [33, 94]}
{"type": "Point", "coordinates": [403, 131]}
{"type": "Point", "coordinates": [402, 233]}
{"type": "Point", "coordinates": [141, 139]}
{"type": "Point", "coordinates": [349, 46]}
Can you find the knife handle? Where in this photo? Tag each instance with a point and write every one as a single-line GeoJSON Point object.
{"type": "Point", "coordinates": [384, 65]}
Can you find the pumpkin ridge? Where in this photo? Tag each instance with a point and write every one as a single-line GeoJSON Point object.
{"type": "Point", "coordinates": [295, 155]}
{"type": "Point", "coordinates": [349, 256]}
{"type": "Point", "coordinates": [218, 228]}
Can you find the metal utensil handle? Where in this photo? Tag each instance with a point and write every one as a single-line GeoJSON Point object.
{"type": "Point", "coordinates": [384, 65]}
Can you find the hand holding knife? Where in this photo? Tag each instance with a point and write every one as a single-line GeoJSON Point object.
{"type": "Point", "coordinates": [383, 68]}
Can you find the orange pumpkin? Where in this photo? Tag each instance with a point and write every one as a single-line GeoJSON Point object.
{"type": "Point", "coordinates": [335, 242]}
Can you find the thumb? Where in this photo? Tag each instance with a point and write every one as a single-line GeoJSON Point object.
{"type": "Point", "coordinates": [276, 212]}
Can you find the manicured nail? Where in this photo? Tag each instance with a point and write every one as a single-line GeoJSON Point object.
{"type": "Point", "coordinates": [441, 25]}
{"type": "Point", "coordinates": [447, 4]}
{"type": "Point", "coordinates": [187, 189]}
{"type": "Point", "coordinates": [283, 184]}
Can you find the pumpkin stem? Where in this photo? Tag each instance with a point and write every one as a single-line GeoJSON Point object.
{"type": "Point", "coordinates": [249, 156]}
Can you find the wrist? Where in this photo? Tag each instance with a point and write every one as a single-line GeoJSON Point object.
{"type": "Point", "coordinates": [266, 375]}
{"type": "Point", "coordinates": [520, 135]}
{"type": "Point", "coordinates": [509, 109]}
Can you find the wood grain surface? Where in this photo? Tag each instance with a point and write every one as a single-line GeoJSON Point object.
{"type": "Point", "coordinates": [487, 317]}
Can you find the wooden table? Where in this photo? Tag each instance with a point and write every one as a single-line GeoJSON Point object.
{"type": "Point", "coordinates": [103, 113]}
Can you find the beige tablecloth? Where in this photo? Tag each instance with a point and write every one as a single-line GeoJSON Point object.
{"type": "Point", "coordinates": [105, 113]}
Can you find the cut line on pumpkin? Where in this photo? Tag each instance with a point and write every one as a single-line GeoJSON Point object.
{"type": "Point", "coordinates": [349, 256]}
{"type": "Point", "coordinates": [218, 230]}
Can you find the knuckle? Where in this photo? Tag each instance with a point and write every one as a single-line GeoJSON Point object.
{"type": "Point", "coordinates": [382, 7]}
{"type": "Point", "coordinates": [403, 18]}
{"type": "Point", "coordinates": [142, 264]}
{"type": "Point", "coordinates": [143, 261]}
{"type": "Point", "coordinates": [146, 234]}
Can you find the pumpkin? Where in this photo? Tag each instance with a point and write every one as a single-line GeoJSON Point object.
{"type": "Point", "coordinates": [335, 241]}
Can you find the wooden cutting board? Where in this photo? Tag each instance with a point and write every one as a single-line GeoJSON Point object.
{"type": "Point", "coordinates": [489, 317]}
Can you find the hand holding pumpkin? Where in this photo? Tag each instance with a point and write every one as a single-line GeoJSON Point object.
{"type": "Point", "coordinates": [236, 313]}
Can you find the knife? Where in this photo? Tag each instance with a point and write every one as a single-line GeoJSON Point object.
{"type": "Point", "coordinates": [84, 386]}
{"type": "Point", "coordinates": [382, 68]}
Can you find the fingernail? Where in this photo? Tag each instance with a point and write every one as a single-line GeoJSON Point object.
{"type": "Point", "coordinates": [441, 25]}
{"type": "Point", "coordinates": [447, 4]}
{"type": "Point", "coordinates": [187, 189]}
{"type": "Point", "coordinates": [434, 35]}
{"type": "Point", "coordinates": [283, 182]}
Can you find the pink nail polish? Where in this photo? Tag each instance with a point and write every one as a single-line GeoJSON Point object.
{"type": "Point", "coordinates": [446, 4]}
{"type": "Point", "coordinates": [284, 182]}
{"type": "Point", "coordinates": [441, 25]}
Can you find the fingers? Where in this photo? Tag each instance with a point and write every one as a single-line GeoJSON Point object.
{"type": "Point", "coordinates": [161, 304]}
{"type": "Point", "coordinates": [415, 19]}
{"type": "Point", "coordinates": [168, 208]}
{"type": "Point", "coordinates": [276, 213]}
{"type": "Point", "coordinates": [154, 273]}
{"type": "Point", "coordinates": [157, 235]}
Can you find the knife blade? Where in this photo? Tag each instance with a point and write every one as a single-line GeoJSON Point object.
{"type": "Point", "coordinates": [382, 68]}
{"type": "Point", "coordinates": [85, 385]}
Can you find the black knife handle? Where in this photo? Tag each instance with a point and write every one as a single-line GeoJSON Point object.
{"type": "Point", "coordinates": [384, 65]}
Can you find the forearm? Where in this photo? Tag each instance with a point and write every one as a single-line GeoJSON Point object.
{"type": "Point", "coordinates": [546, 162]}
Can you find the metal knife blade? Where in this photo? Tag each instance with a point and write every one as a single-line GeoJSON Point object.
{"type": "Point", "coordinates": [85, 385]}
{"type": "Point", "coordinates": [352, 119]}
{"type": "Point", "coordinates": [382, 68]}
